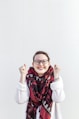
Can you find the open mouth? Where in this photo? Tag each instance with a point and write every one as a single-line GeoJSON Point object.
{"type": "Point", "coordinates": [40, 68]}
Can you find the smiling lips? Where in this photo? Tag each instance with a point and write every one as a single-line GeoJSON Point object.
{"type": "Point", "coordinates": [40, 68]}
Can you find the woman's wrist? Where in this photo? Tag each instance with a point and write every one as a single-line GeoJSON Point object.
{"type": "Point", "coordinates": [56, 77]}
{"type": "Point", "coordinates": [22, 79]}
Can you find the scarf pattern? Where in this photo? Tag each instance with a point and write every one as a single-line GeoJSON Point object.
{"type": "Point", "coordinates": [40, 93]}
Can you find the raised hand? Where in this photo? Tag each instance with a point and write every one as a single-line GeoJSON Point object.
{"type": "Point", "coordinates": [56, 71]}
{"type": "Point", "coordinates": [23, 73]}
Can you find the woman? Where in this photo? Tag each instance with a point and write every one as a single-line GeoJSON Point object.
{"type": "Point", "coordinates": [41, 88]}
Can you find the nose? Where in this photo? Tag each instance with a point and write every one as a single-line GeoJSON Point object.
{"type": "Point", "coordinates": [40, 63]}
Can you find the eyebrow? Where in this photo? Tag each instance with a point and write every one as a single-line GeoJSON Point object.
{"type": "Point", "coordinates": [40, 59]}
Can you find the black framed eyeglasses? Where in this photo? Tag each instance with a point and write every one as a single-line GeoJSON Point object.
{"type": "Point", "coordinates": [40, 61]}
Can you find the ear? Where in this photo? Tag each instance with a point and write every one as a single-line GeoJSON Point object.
{"type": "Point", "coordinates": [49, 62]}
{"type": "Point", "coordinates": [32, 64]}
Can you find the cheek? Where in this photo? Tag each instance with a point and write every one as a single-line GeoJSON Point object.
{"type": "Point", "coordinates": [35, 67]}
{"type": "Point", "coordinates": [47, 65]}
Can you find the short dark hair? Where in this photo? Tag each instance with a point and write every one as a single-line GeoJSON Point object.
{"type": "Point", "coordinates": [41, 52]}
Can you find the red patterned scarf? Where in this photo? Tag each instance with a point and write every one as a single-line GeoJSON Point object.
{"type": "Point", "coordinates": [40, 93]}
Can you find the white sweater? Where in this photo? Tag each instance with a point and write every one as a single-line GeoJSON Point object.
{"type": "Point", "coordinates": [58, 95]}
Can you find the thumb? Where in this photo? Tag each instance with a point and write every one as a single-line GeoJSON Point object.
{"type": "Point", "coordinates": [24, 65]}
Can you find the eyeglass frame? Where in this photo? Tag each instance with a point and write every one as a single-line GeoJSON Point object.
{"type": "Point", "coordinates": [40, 61]}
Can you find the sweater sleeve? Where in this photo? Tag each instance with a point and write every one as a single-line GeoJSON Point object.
{"type": "Point", "coordinates": [22, 93]}
{"type": "Point", "coordinates": [58, 94]}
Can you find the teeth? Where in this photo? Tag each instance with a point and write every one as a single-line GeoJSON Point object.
{"type": "Point", "coordinates": [40, 68]}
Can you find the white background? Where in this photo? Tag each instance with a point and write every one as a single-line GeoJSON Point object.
{"type": "Point", "coordinates": [30, 25]}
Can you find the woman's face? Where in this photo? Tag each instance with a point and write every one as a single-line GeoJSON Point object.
{"type": "Point", "coordinates": [41, 64]}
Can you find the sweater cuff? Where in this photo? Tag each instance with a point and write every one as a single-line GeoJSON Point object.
{"type": "Point", "coordinates": [58, 84]}
{"type": "Point", "coordinates": [21, 86]}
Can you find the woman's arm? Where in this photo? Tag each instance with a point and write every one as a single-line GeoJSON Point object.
{"type": "Point", "coordinates": [22, 93]}
{"type": "Point", "coordinates": [58, 94]}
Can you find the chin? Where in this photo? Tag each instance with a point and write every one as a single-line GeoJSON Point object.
{"type": "Point", "coordinates": [40, 73]}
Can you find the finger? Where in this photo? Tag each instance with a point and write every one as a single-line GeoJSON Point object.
{"type": "Point", "coordinates": [22, 68]}
{"type": "Point", "coordinates": [55, 66]}
{"type": "Point", "coordinates": [24, 65]}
